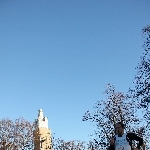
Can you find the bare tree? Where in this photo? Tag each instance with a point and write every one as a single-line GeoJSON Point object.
{"type": "Point", "coordinates": [21, 135]}
{"type": "Point", "coordinates": [60, 144]}
{"type": "Point", "coordinates": [107, 113]}
{"type": "Point", "coordinates": [16, 134]}
{"type": "Point", "coordinates": [141, 93]}
{"type": "Point", "coordinates": [142, 79]}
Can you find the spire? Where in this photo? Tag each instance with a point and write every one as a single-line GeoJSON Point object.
{"type": "Point", "coordinates": [41, 122]}
{"type": "Point", "coordinates": [40, 114]}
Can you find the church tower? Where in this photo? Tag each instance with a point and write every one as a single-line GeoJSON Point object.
{"type": "Point", "coordinates": [42, 134]}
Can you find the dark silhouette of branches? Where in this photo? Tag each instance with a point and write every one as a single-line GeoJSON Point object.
{"type": "Point", "coordinates": [60, 144]}
{"type": "Point", "coordinates": [141, 93]}
{"type": "Point", "coordinates": [107, 113]}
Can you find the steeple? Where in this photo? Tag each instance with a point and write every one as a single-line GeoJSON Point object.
{"type": "Point", "coordinates": [41, 122]}
{"type": "Point", "coordinates": [42, 134]}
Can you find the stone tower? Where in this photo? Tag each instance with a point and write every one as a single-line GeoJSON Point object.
{"type": "Point", "coordinates": [42, 134]}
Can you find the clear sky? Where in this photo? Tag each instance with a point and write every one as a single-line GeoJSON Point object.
{"type": "Point", "coordinates": [59, 55]}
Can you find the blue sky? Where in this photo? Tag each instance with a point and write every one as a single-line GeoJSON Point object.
{"type": "Point", "coordinates": [59, 56]}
